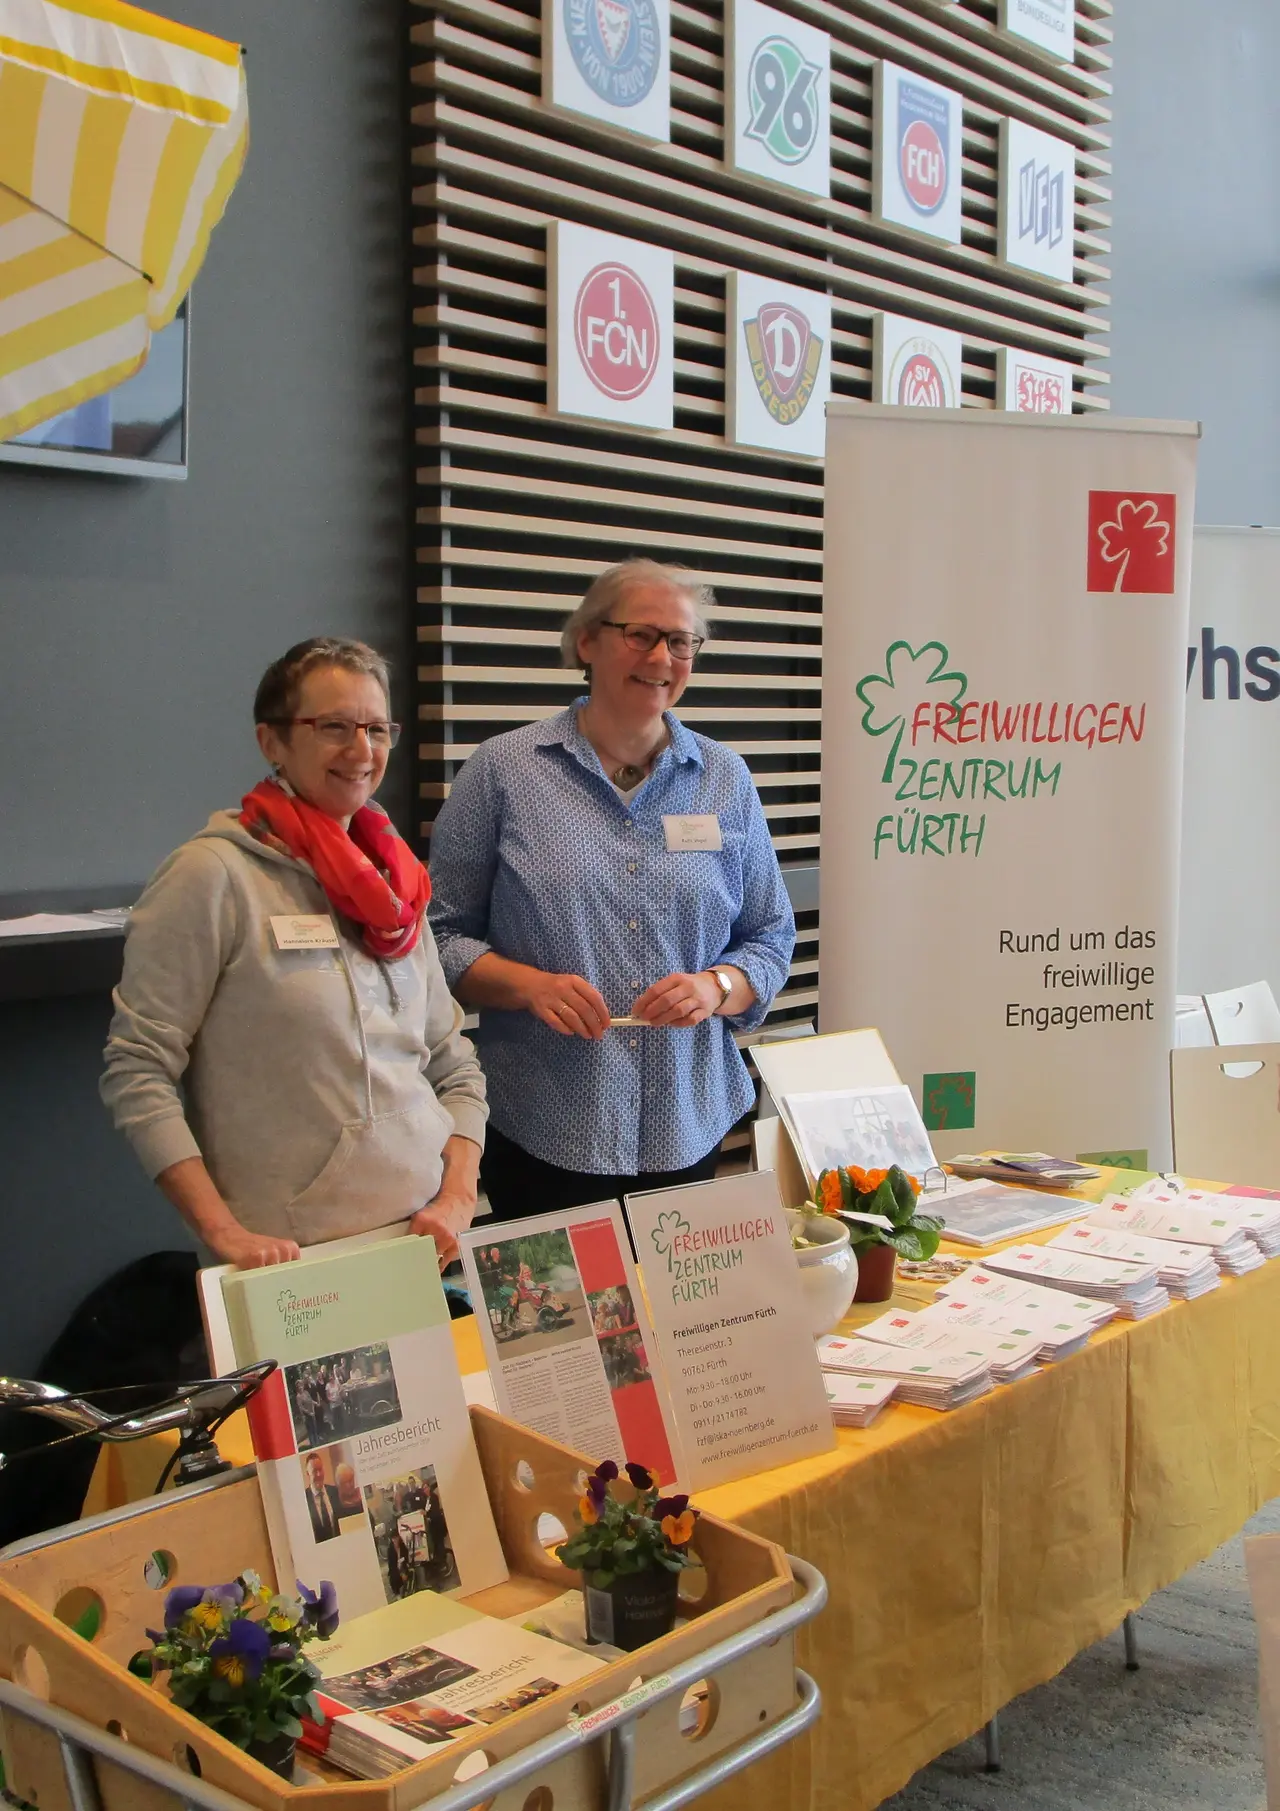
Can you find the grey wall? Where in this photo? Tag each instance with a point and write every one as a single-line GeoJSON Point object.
{"type": "Point", "coordinates": [1196, 314]}
{"type": "Point", "coordinates": [136, 616]}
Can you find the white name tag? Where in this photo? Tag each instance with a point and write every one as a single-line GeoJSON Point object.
{"type": "Point", "coordinates": [305, 931]}
{"type": "Point", "coordinates": [696, 830]}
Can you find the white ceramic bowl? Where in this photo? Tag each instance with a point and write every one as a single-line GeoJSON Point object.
{"type": "Point", "coordinates": [828, 1269]}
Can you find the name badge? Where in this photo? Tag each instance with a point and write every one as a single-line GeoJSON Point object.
{"type": "Point", "coordinates": [305, 931]}
{"type": "Point", "coordinates": [695, 830]}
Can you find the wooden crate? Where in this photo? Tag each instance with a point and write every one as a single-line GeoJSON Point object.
{"type": "Point", "coordinates": [214, 1535]}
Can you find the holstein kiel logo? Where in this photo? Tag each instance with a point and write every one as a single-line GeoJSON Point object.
{"type": "Point", "coordinates": [616, 328]}
{"type": "Point", "coordinates": [924, 123]}
{"type": "Point", "coordinates": [616, 45]}
{"type": "Point", "coordinates": [784, 104]}
{"type": "Point", "coordinates": [1132, 541]}
{"type": "Point", "coordinates": [786, 356]}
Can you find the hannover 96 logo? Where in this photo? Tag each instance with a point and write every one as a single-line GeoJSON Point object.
{"type": "Point", "coordinates": [786, 356]}
{"type": "Point", "coordinates": [616, 46]}
{"type": "Point", "coordinates": [783, 100]}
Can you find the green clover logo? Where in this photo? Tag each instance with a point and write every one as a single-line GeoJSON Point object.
{"type": "Point", "coordinates": [912, 677]}
{"type": "Point", "coordinates": [664, 1233]}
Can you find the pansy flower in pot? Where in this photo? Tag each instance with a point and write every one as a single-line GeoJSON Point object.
{"type": "Point", "coordinates": [233, 1655]}
{"type": "Point", "coordinates": [879, 1208]}
{"type": "Point", "coordinates": [631, 1551]}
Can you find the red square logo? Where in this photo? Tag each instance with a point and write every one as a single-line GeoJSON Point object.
{"type": "Point", "coordinates": [1132, 540]}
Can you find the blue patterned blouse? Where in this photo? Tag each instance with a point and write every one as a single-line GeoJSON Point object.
{"type": "Point", "coordinates": [535, 856]}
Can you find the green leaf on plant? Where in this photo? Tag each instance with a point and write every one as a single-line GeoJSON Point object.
{"type": "Point", "coordinates": [88, 1622]}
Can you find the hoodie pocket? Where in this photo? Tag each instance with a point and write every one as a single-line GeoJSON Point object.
{"type": "Point", "coordinates": [381, 1170]}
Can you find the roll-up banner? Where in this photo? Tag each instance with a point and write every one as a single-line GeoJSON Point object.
{"type": "Point", "coordinates": [1229, 930]}
{"type": "Point", "coordinates": [1004, 665]}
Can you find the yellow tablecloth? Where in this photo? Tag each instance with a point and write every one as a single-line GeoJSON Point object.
{"type": "Point", "coordinates": [970, 1555]}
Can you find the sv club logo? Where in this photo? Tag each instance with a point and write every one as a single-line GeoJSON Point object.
{"type": "Point", "coordinates": [616, 45]}
{"type": "Point", "coordinates": [786, 356]}
{"type": "Point", "coordinates": [782, 95]}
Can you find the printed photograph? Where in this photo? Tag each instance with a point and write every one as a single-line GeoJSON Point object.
{"type": "Point", "coordinates": [342, 1396]}
{"type": "Point", "coordinates": [625, 1359]}
{"type": "Point", "coordinates": [532, 1292]}
{"type": "Point", "coordinates": [411, 1534]}
{"type": "Point", "coordinates": [409, 1675]}
{"type": "Point", "coordinates": [424, 1721]}
{"type": "Point", "coordinates": [519, 1699]}
{"type": "Point", "coordinates": [612, 1310]}
{"type": "Point", "coordinates": [873, 1128]}
{"type": "Point", "coordinates": [334, 1503]}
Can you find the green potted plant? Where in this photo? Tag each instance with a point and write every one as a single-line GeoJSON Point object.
{"type": "Point", "coordinates": [234, 1657]}
{"type": "Point", "coordinates": [631, 1554]}
{"type": "Point", "coordinates": [849, 1193]}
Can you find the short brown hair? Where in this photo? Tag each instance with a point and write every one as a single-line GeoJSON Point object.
{"type": "Point", "coordinates": [276, 698]}
{"type": "Point", "coordinates": [605, 593]}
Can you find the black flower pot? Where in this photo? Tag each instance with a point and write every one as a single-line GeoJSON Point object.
{"type": "Point", "coordinates": [276, 1754]}
{"type": "Point", "coordinates": [636, 1608]}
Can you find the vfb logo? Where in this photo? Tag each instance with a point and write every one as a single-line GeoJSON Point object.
{"type": "Point", "coordinates": [924, 126]}
{"type": "Point", "coordinates": [1042, 204]}
{"type": "Point", "coordinates": [782, 94]}
{"type": "Point", "coordinates": [786, 356]}
{"type": "Point", "coordinates": [616, 46]}
{"type": "Point", "coordinates": [1132, 541]}
{"type": "Point", "coordinates": [1041, 392]}
{"type": "Point", "coordinates": [616, 328]}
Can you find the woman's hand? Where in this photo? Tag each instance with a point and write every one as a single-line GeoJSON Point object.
{"type": "Point", "coordinates": [191, 1189]}
{"type": "Point", "coordinates": [566, 1003]}
{"type": "Point", "coordinates": [252, 1250]}
{"type": "Point", "coordinates": [451, 1208]}
{"type": "Point", "coordinates": [679, 1000]}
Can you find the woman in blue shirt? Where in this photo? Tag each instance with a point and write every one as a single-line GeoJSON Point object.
{"type": "Point", "coordinates": [609, 864]}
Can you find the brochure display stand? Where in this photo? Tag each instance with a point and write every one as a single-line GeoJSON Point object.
{"type": "Point", "coordinates": [834, 1059]}
{"type": "Point", "coordinates": [78, 1730]}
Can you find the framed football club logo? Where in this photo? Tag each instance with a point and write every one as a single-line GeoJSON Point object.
{"type": "Point", "coordinates": [777, 97]}
{"type": "Point", "coordinates": [778, 365]}
{"type": "Point", "coordinates": [917, 366]}
{"type": "Point", "coordinates": [919, 130]}
{"type": "Point", "coordinates": [1048, 24]}
{"type": "Point", "coordinates": [610, 322]}
{"type": "Point", "coordinates": [610, 59]}
{"type": "Point", "coordinates": [1027, 384]}
{"type": "Point", "coordinates": [1037, 201]}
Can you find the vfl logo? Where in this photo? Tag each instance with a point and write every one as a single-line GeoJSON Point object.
{"type": "Point", "coordinates": [1132, 541]}
{"type": "Point", "coordinates": [1041, 392]}
{"type": "Point", "coordinates": [616, 328]}
{"type": "Point", "coordinates": [615, 44]}
{"type": "Point", "coordinates": [783, 101]}
{"type": "Point", "coordinates": [924, 123]}
{"type": "Point", "coordinates": [786, 356]}
{"type": "Point", "coordinates": [1041, 204]}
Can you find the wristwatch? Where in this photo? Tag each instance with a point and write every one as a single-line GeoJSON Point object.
{"type": "Point", "coordinates": [723, 980]}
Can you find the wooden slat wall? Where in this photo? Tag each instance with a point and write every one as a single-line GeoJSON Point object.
{"type": "Point", "coordinates": [517, 510]}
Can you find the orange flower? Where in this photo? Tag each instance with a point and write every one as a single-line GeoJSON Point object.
{"type": "Point", "coordinates": [915, 1184]}
{"type": "Point", "coordinates": [679, 1528]}
{"type": "Point", "coordinates": [587, 1511]}
{"type": "Point", "coordinates": [829, 1192]}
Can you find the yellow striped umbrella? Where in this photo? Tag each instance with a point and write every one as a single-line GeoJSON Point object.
{"type": "Point", "coordinates": [121, 137]}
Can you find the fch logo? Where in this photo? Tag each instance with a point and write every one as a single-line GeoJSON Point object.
{"type": "Point", "coordinates": [786, 356]}
{"type": "Point", "coordinates": [924, 125]}
{"type": "Point", "coordinates": [616, 45]}
{"type": "Point", "coordinates": [616, 329]}
{"type": "Point", "coordinates": [1042, 204]}
{"type": "Point", "coordinates": [1132, 541]}
{"type": "Point", "coordinates": [782, 98]}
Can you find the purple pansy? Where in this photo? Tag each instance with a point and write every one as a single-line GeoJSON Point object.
{"type": "Point", "coordinates": [241, 1653]}
{"type": "Point", "coordinates": [666, 1506]}
{"type": "Point", "coordinates": [320, 1608]}
{"type": "Point", "coordinates": [639, 1475]}
{"type": "Point", "coordinates": [181, 1599]}
{"type": "Point", "coordinates": [607, 1471]}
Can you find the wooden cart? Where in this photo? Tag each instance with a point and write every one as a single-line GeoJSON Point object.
{"type": "Point", "coordinates": [79, 1732]}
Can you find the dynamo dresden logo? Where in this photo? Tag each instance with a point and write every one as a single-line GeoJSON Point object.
{"type": "Point", "coordinates": [616, 46]}
{"type": "Point", "coordinates": [924, 125]}
{"type": "Point", "coordinates": [783, 98]}
{"type": "Point", "coordinates": [786, 356]}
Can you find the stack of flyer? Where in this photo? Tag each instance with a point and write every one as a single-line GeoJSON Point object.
{"type": "Point", "coordinates": [1187, 1223]}
{"type": "Point", "coordinates": [1010, 1355]}
{"type": "Point", "coordinates": [946, 1380]}
{"type": "Point", "coordinates": [856, 1401]}
{"type": "Point", "coordinates": [988, 1213]}
{"type": "Point", "coordinates": [1134, 1288]}
{"type": "Point", "coordinates": [1258, 1217]}
{"type": "Point", "coordinates": [1186, 1271]}
{"type": "Point", "coordinates": [1068, 1320]}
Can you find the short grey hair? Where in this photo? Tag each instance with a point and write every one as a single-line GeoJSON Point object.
{"type": "Point", "coordinates": [606, 593]}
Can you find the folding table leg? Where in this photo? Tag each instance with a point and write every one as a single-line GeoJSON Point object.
{"type": "Point", "coordinates": [1130, 1643]}
{"type": "Point", "coordinates": [992, 1734]}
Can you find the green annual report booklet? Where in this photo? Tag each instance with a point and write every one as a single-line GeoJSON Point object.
{"type": "Point", "coordinates": [369, 1474]}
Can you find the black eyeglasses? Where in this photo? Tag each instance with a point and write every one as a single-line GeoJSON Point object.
{"type": "Point", "coordinates": [339, 732]}
{"type": "Point", "coordinates": [643, 638]}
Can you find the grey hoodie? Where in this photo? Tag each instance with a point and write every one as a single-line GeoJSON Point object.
{"type": "Point", "coordinates": [320, 1085]}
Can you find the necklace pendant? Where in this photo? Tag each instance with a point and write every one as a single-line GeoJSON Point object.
{"type": "Point", "coordinates": [628, 776]}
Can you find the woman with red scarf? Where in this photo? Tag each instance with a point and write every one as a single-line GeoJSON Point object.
{"type": "Point", "coordinates": [285, 1057]}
